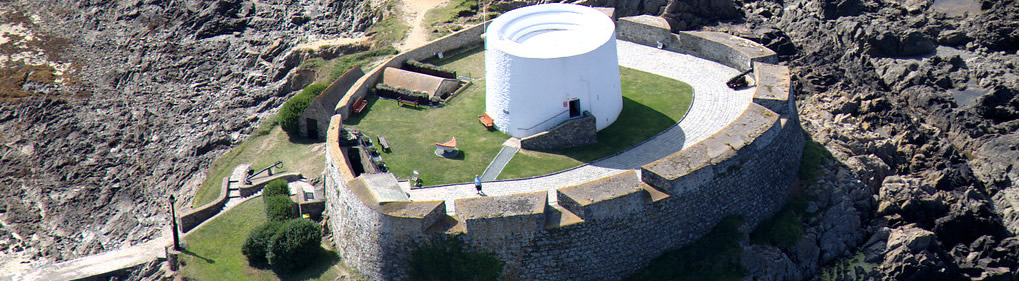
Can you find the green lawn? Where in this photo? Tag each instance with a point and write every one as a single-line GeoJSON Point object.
{"type": "Point", "coordinates": [214, 250]}
{"type": "Point", "coordinates": [651, 104]}
{"type": "Point", "coordinates": [412, 134]}
{"type": "Point", "coordinates": [300, 155]}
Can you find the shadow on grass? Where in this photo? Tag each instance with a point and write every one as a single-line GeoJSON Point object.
{"type": "Point", "coordinates": [355, 119]}
{"type": "Point", "coordinates": [636, 123]}
{"type": "Point", "coordinates": [316, 267]}
{"type": "Point", "coordinates": [190, 253]}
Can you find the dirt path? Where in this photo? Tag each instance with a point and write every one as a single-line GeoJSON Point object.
{"type": "Point", "coordinates": [413, 13]}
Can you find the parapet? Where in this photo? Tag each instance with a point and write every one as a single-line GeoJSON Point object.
{"type": "Point", "coordinates": [603, 228]}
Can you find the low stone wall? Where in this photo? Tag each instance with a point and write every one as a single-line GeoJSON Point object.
{"type": "Point", "coordinates": [467, 37]}
{"type": "Point", "coordinates": [732, 51]}
{"type": "Point", "coordinates": [312, 208]}
{"type": "Point", "coordinates": [602, 229]}
{"type": "Point", "coordinates": [198, 215]}
{"type": "Point", "coordinates": [572, 133]}
{"type": "Point", "coordinates": [256, 185]}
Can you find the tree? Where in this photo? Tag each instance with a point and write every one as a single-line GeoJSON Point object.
{"type": "Point", "coordinates": [296, 244]}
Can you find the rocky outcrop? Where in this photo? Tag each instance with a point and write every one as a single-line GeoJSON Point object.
{"type": "Point", "coordinates": [159, 90]}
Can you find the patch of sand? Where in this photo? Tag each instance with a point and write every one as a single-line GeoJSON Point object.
{"type": "Point", "coordinates": [413, 13]}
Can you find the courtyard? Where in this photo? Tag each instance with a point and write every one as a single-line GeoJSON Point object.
{"type": "Point", "coordinates": [651, 104]}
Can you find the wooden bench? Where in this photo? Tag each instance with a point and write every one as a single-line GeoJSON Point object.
{"type": "Point", "coordinates": [360, 105]}
{"type": "Point", "coordinates": [408, 102]}
{"type": "Point", "coordinates": [486, 120]}
{"type": "Point", "coordinates": [384, 144]}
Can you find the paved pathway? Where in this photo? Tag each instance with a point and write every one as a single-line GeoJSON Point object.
{"type": "Point", "coordinates": [98, 264]}
{"type": "Point", "coordinates": [499, 162]}
{"type": "Point", "coordinates": [714, 107]}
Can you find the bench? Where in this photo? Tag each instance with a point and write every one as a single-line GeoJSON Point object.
{"type": "Point", "coordinates": [384, 144]}
{"type": "Point", "coordinates": [408, 102]}
{"type": "Point", "coordinates": [486, 120]}
{"type": "Point", "coordinates": [360, 105]}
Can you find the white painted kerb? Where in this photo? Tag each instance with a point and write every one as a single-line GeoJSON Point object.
{"type": "Point", "coordinates": [539, 58]}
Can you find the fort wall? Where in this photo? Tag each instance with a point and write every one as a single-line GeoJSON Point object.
{"type": "Point", "coordinates": [602, 229]}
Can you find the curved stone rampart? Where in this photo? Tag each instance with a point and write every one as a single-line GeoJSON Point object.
{"type": "Point", "coordinates": [601, 229]}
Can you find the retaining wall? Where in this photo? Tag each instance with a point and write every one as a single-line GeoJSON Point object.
{"type": "Point", "coordinates": [195, 217]}
{"type": "Point", "coordinates": [467, 37]}
{"type": "Point", "coordinates": [198, 215]}
{"type": "Point", "coordinates": [606, 228]}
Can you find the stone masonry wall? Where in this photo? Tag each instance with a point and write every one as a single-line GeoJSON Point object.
{"type": "Point", "coordinates": [619, 223]}
{"type": "Point", "coordinates": [571, 133]}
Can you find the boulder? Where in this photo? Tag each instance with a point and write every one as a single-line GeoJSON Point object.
{"type": "Point", "coordinates": [913, 253]}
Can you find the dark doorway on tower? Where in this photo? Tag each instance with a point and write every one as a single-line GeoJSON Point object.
{"type": "Point", "coordinates": [312, 125]}
{"type": "Point", "coordinates": [575, 108]}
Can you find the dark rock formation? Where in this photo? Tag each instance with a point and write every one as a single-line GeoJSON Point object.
{"type": "Point", "coordinates": [157, 90]}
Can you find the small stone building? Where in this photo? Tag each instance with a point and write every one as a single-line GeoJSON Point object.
{"type": "Point", "coordinates": [416, 81]}
{"type": "Point", "coordinates": [315, 120]}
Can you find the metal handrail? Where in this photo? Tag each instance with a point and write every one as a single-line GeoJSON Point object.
{"type": "Point", "coordinates": [543, 122]}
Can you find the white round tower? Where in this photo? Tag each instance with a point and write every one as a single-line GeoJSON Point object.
{"type": "Point", "coordinates": [548, 63]}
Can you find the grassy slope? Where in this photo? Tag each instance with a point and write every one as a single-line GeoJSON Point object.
{"type": "Point", "coordinates": [214, 251]}
{"type": "Point", "coordinates": [298, 155]}
{"type": "Point", "coordinates": [446, 14]}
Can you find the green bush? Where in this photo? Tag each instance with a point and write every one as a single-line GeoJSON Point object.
{"type": "Point", "coordinates": [293, 108]}
{"type": "Point", "coordinates": [256, 247]}
{"type": "Point", "coordinates": [279, 208]}
{"type": "Point", "coordinates": [297, 243]}
{"type": "Point", "coordinates": [448, 260]}
{"type": "Point", "coordinates": [430, 69]}
{"type": "Point", "coordinates": [394, 92]}
{"type": "Point", "coordinates": [276, 187]}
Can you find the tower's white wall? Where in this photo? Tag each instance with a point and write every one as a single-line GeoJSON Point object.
{"type": "Point", "coordinates": [540, 57]}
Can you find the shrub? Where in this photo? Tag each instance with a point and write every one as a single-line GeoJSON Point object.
{"type": "Point", "coordinates": [430, 69]}
{"type": "Point", "coordinates": [297, 243]}
{"type": "Point", "coordinates": [279, 208]}
{"type": "Point", "coordinates": [256, 247]}
{"type": "Point", "coordinates": [448, 260]}
{"type": "Point", "coordinates": [276, 187]}
{"type": "Point", "coordinates": [393, 92]}
{"type": "Point", "coordinates": [291, 112]}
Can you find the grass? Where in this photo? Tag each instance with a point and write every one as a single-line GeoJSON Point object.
{"type": "Point", "coordinates": [647, 110]}
{"type": "Point", "coordinates": [651, 104]}
{"type": "Point", "coordinates": [784, 229]}
{"type": "Point", "coordinates": [214, 251]}
{"type": "Point", "coordinates": [814, 154]}
{"type": "Point", "coordinates": [715, 256]}
{"type": "Point", "coordinates": [340, 65]}
{"type": "Point", "coordinates": [299, 155]}
{"type": "Point", "coordinates": [449, 13]}
{"type": "Point", "coordinates": [411, 134]}
{"type": "Point", "coordinates": [390, 29]}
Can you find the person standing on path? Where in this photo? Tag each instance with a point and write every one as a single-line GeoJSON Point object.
{"type": "Point", "coordinates": [477, 185]}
